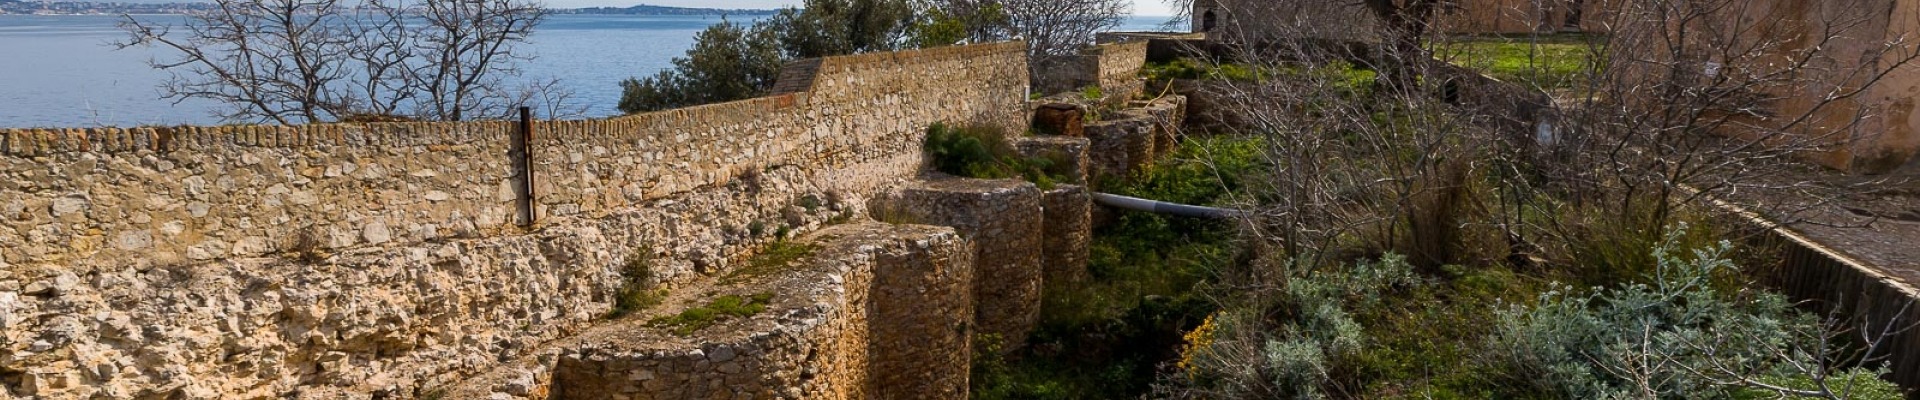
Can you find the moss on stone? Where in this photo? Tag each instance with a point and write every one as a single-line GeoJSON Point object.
{"type": "Point", "coordinates": [777, 257]}
{"type": "Point", "coordinates": [697, 318]}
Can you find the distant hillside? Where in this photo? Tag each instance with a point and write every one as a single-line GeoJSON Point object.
{"type": "Point", "coordinates": [644, 9]}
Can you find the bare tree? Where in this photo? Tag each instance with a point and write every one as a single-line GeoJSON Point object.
{"type": "Point", "coordinates": [1050, 27]}
{"type": "Point", "coordinates": [1062, 27]}
{"type": "Point", "coordinates": [304, 61]}
{"type": "Point", "coordinates": [1685, 103]}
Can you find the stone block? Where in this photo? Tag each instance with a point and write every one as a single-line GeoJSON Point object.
{"type": "Point", "coordinates": [1120, 147]}
{"type": "Point", "coordinates": [1005, 221]}
{"type": "Point", "coordinates": [1060, 119]}
{"type": "Point", "coordinates": [1068, 232]}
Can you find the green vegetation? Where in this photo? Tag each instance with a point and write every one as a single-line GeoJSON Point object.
{"type": "Point", "coordinates": [1701, 337]}
{"type": "Point", "coordinates": [1160, 74]}
{"type": "Point", "coordinates": [983, 152]}
{"type": "Point", "coordinates": [1476, 308]}
{"type": "Point", "coordinates": [1092, 93]}
{"type": "Point", "coordinates": [695, 319]}
{"type": "Point", "coordinates": [731, 61]}
{"type": "Point", "coordinates": [1107, 337]}
{"type": "Point", "coordinates": [1188, 68]}
{"type": "Point", "coordinates": [636, 286]}
{"type": "Point", "coordinates": [776, 257]}
{"type": "Point", "coordinates": [1550, 62]}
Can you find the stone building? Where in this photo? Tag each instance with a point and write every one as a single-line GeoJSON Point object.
{"type": "Point", "coordinates": [1800, 63]}
{"type": "Point", "coordinates": [1239, 20]}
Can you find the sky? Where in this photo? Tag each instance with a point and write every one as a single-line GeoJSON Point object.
{"type": "Point", "coordinates": [1140, 7]}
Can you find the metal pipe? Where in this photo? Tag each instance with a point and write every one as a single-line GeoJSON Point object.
{"type": "Point", "coordinates": [1161, 207]}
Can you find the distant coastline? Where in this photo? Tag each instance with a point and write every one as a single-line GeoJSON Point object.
{"type": "Point", "coordinates": [644, 9]}
{"type": "Point", "coordinates": [15, 7]}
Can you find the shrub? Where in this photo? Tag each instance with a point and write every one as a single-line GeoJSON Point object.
{"type": "Point", "coordinates": [636, 287]}
{"type": "Point", "coordinates": [1287, 345]}
{"type": "Point", "coordinates": [977, 151]}
{"type": "Point", "coordinates": [1677, 336]}
{"type": "Point", "coordinates": [1092, 93]}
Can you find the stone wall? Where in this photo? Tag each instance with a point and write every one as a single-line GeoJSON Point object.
{"type": "Point", "coordinates": [1114, 67]}
{"type": "Point", "coordinates": [356, 260]}
{"type": "Point", "coordinates": [1119, 68]}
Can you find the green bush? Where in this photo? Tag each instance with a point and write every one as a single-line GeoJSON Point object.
{"type": "Point", "coordinates": [636, 286]}
{"type": "Point", "coordinates": [976, 151]}
{"type": "Point", "coordinates": [1678, 336]}
{"type": "Point", "coordinates": [1091, 93]}
{"type": "Point", "coordinates": [1289, 345]}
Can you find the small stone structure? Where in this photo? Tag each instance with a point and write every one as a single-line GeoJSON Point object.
{"type": "Point", "coordinates": [1004, 219]}
{"type": "Point", "coordinates": [876, 311]}
{"type": "Point", "coordinates": [1113, 67]}
{"type": "Point", "coordinates": [1068, 233]}
{"type": "Point", "coordinates": [1073, 150]}
{"type": "Point", "coordinates": [1133, 139]}
{"type": "Point", "coordinates": [1061, 119]}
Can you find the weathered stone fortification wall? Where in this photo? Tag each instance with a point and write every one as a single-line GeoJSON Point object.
{"type": "Point", "coordinates": [130, 259]}
{"type": "Point", "coordinates": [1120, 65]}
{"type": "Point", "coordinates": [1872, 132]}
{"type": "Point", "coordinates": [1114, 67]}
{"type": "Point", "coordinates": [98, 198]}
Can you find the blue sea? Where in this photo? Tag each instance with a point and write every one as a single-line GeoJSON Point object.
{"type": "Point", "coordinates": [61, 71]}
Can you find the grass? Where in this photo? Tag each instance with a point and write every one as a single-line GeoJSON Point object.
{"type": "Point", "coordinates": [1426, 338]}
{"type": "Point", "coordinates": [1187, 68]}
{"type": "Point", "coordinates": [1092, 93]}
{"type": "Point", "coordinates": [777, 257]}
{"type": "Point", "coordinates": [1550, 62]}
{"type": "Point", "coordinates": [721, 308]}
{"type": "Point", "coordinates": [1108, 336]}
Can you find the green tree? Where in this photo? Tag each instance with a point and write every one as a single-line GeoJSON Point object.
{"type": "Point", "coordinates": [732, 61]}
{"type": "Point", "coordinates": [838, 27]}
{"type": "Point", "coordinates": [728, 61]}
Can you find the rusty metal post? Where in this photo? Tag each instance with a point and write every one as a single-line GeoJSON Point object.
{"type": "Point", "coordinates": [524, 145]}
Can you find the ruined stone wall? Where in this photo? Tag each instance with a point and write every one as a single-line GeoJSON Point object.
{"type": "Point", "coordinates": [353, 260]}
{"type": "Point", "coordinates": [1114, 67]}
{"type": "Point", "coordinates": [1524, 16]}
{"type": "Point", "coordinates": [1119, 68]}
{"type": "Point", "coordinates": [1873, 132]}
{"type": "Point", "coordinates": [1262, 21]}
